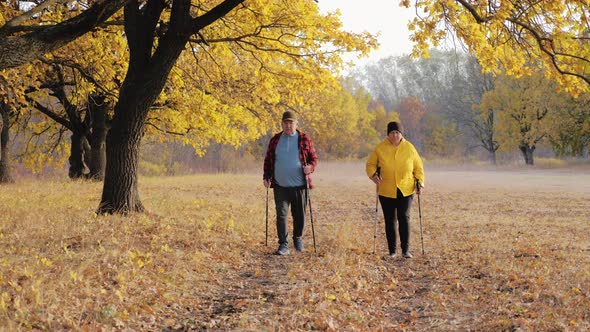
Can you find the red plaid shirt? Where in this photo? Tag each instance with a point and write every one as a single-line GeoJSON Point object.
{"type": "Point", "coordinates": [307, 156]}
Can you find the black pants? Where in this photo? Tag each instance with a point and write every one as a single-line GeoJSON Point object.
{"type": "Point", "coordinates": [293, 197]}
{"type": "Point", "coordinates": [397, 210]}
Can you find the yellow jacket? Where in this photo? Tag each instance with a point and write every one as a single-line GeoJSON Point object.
{"type": "Point", "coordinates": [400, 167]}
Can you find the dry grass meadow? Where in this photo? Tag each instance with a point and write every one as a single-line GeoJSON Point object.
{"type": "Point", "coordinates": [505, 251]}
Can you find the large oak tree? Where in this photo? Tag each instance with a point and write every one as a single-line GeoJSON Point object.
{"type": "Point", "coordinates": [277, 34]}
{"type": "Point", "coordinates": [149, 66]}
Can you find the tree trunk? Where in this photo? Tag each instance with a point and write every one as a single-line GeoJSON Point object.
{"type": "Point", "coordinates": [5, 176]}
{"type": "Point", "coordinates": [78, 168]}
{"type": "Point", "coordinates": [527, 152]}
{"type": "Point", "coordinates": [98, 136]}
{"type": "Point", "coordinates": [98, 156]}
{"type": "Point", "coordinates": [120, 194]}
{"type": "Point", "coordinates": [146, 76]}
{"type": "Point", "coordinates": [1, 127]}
{"type": "Point", "coordinates": [141, 88]}
{"type": "Point", "coordinates": [491, 146]}
{"type": "Point", "coordinates": [493, 159]}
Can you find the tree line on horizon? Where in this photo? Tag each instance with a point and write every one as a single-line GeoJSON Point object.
{"type": "Point", "coordinates": [451, 108]}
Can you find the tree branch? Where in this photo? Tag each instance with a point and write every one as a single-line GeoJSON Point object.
{"type": "Point", "coordinates": [478, 18]}
{"type": "Point", "coordinates": [18, 50]}
{"type": "Point", "coordinates": [82, 71]}
{"type": "Point", "coordinates": [13, 25]}
{"type": "Point", "coordinates": [552, 55]}
{"type": "Point", "coordinates": [214, 14]}
{"type": "Point", "coordinates": [52, 115]}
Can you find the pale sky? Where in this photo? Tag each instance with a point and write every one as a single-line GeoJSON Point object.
{"type": "Point", "coordinates": [375, 16]}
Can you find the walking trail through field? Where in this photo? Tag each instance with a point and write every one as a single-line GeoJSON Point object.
{"type": "Point", "coordinates": [488, 262]}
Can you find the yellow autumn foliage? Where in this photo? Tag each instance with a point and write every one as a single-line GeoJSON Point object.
{"type": "Point", "coordinates": [515, 37]}
{"type": "Point", "coordinates": [231, 83]}
{"type": "Point", "coordinates": [524, 109]}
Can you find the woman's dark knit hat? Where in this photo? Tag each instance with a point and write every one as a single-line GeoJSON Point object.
{"type": "Point", "coordinates": [394, 125]}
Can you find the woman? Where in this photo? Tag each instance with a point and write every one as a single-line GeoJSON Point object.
{"type": "Point", "coordinates": [396, 168]}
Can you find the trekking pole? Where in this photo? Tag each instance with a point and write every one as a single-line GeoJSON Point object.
{"type": "Point", "coordinates": [376, 216]}
{"type": "Point", "coordinates": [311, 217]}
{"type": "Point", "coordinates": [266, 237]}
{"type": "Point", "coordinates": [418, 186]}
{"type": "Point", "coordinates": [307, 192]}
{"type": "Point", "coordinates": [376, 213]}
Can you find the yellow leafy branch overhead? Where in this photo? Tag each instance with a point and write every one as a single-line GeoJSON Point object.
{"type": "Point", "coordinates": [235, 77]}
{"type": "Point", "coordinates": [515, 36]}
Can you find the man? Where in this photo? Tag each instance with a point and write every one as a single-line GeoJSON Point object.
{"type": "Point", "coordinates": [290, 158]}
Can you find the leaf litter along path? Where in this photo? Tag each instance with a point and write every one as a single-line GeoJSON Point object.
{"type": "Point", "coordinates": [282, 293]}
{"type": "Point", "coordinates": [342, 286]}
{"type": "Point", "coordinates": [493, 262]}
